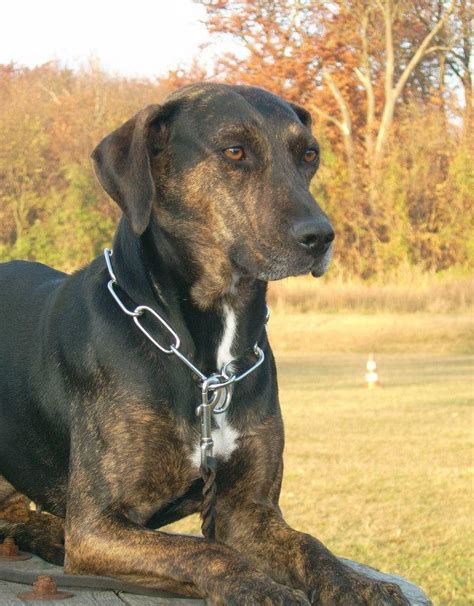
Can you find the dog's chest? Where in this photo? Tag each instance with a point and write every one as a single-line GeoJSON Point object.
{"type": "Point", "coordinates": [224, 435]}
{"type": "Point", "coordinates": [225, 438]}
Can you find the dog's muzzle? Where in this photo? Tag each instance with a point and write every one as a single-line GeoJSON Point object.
{"type": "Point", "coordinates": [315, 237]}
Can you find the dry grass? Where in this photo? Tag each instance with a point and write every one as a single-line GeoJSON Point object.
{"type": "Point", "coordinates": [381, 333]}
{"type": "Point", "coordinates": [410, 292]}
{"type": "Point", "coordinates": [382, 476]}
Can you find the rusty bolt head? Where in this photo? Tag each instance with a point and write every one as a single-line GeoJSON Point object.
{"type": "Point", "coordinates": [9, 547]}
{"type": "Point", "coordinates": [9, 551]}
{"type": "Point", "coordinates": [44, 584]}
{"type": "Point", "coordinates": [45, 588]}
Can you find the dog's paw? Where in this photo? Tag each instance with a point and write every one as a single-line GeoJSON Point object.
{"type": "Point", "coordinates": [260, 593]}
{"type": "Point", "coordinates": [352, 589]}
{"type": "Point", "coordinates": [53, 553]}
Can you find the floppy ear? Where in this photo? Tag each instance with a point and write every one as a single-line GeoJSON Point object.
{"type": "Point", "coordinates": [122, 164]}
{"type": "Point", "coordinates": [303, 114]}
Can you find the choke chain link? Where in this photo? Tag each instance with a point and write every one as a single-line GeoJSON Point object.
{"type": "Point", "coordinates": [216, 395]}
{"type": "Point", "coordinates": [226, 377]}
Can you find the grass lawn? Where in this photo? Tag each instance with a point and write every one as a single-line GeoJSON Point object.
{"type": "Point", "coordinates": [381, 476]}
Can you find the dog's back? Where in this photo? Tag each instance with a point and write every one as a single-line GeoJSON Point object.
{"type": "Point", "coordinates": [25, 288]}
{"type": "Point", "coordinates": [27, 291]}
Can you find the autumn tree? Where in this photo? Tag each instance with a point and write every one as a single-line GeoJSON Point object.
{"type": "Point", "coordinates": [51, 118]}
{"type": "Point", "coordinates": [397, 169]}
{"type": "Point", "coordinates": [335, 57]}
{"type": "Point", "coordinates": [354, 65]}
{"type": "Point", "coordinates": [459, 57]}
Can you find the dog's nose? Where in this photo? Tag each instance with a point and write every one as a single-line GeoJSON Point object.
{"type": "Point", "coordinates": [314, 234]}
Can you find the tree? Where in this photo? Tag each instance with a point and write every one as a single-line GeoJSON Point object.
{"type": "Point", "coordinates": [50, 121]}
{"type": "Point", "coordinates": [459, 57]}
{"type": "Point", "coordinates": [354, 64]}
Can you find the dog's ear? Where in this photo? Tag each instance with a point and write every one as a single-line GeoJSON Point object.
{"type": "Point", "coordinates": [122, 164]}
{"type": "Point", "coordinates": [303, 114]}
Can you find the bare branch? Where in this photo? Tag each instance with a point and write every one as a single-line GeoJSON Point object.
{"type": "Point", "coordinates": [346, 116]}
{"type": "Point", "coordinates": [328, 117]}
{"type": "Point", "coordinates": [380, 5]}
{"type": "Point", "coordinates": [421, 51]}
{"type": "Point", "coordinates": [420, 16]}
{"type": "Point", "coordinates": [53, 95]}
{"type": "Point", "coordinates": [435, 49]}
{"type": "Point", "coordinates": [392, 93]}
{"type": "Point", "coordinates": [456, 70]}
{"type": "Point", "coordinates": [363, 78]}
{"type": "Point", "coordinates": [389, 50]}
{"type": "Point", "coordinates": [345, 126]}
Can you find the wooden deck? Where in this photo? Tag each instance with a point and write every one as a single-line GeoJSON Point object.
{"type": "Point", "coordinates": [116, 597]}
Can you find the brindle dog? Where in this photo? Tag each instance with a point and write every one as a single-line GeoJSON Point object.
{"type": "Point", "coordinates": [99, 427]}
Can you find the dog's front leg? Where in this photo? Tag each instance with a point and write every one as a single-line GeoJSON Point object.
{"type": "Point", "coordinates": [103, 537]}
{"type": "Point", "coordinates": [190, 566]}
{"type": "Point", "coordinates": [259, 533]}
{"type": "Point", "coordinates": [249, 520]}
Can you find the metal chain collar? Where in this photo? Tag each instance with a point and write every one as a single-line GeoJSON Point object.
{"type": "Point", "coordinates": [216, 389]}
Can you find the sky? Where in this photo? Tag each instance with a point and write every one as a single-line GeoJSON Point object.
{"type": "Point", "coordinates": [138, 38]}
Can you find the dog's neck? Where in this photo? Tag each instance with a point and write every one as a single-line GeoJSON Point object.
{"type": "Point", "coordinates": [149, 269]}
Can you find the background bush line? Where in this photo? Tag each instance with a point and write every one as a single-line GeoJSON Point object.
{"type": "Point", "coordinates": [390, 90]}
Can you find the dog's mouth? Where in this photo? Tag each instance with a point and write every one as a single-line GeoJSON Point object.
{"type": "Point", "coordinates": [283, 265]}
{"type": "Point", "coordinates": [320, 266]}
{"type": "Point", "coordinates": [296, 266]}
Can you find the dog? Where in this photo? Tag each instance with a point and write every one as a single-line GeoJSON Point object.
{"type": "Point", "coordinates": [99, 426]}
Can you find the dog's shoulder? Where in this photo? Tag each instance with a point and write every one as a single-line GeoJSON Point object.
{"type": "Point", "coordinates": [26, 280]}
{"type": "Point", "coordinates": [28, 274]}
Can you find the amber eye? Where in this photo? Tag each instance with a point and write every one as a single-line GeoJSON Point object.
{"type": "Point", "coordinates": [235, 153]}
{"type": "Point", "coordinates": [310, 155]}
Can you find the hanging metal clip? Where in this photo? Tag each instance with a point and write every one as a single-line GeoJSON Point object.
{"type": "Point", "coordinates": [204, 412]}
{"type": "Point", "coordinates": [216, 394]}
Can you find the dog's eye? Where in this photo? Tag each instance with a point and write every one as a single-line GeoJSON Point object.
{"type": "Point", "coordinates": [310, 155]}
{"type": "Point", "coordinates": [235, 153]}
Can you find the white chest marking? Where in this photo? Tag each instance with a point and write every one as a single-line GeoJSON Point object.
{"type": "Point", "coordinates": [224, 349]}
{"type": "Point", "coordinates": [225, 441]}
{"type": "Point", "coordinates": [225, 436]}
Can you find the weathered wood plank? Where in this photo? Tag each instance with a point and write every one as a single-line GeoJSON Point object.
{"type": "Point", "coordinates": [143, 600]}
{"type": "Point", "coordinates": [85, 597]}
{"type": "Point", "coordinates": [8, 593]}
{"type": "Point", "coordinates": [19, 572]}
{"type": "Point", "coordinates": [414, 594]}
{"type": "Point", "coordinates": [115, 596]}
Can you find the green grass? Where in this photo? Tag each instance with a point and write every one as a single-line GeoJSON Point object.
{"type": "Point", "coordinates": [381, 476]}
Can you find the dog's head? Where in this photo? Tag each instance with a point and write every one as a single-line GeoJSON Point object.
{"type": "Point", "coordinates": [224, 171]}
